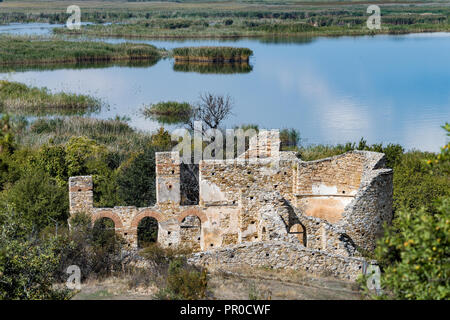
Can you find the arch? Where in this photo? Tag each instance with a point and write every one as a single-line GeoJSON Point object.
{"type": "Point", "coordinates": [191, 232]}
{"type": "Point", "coordinates": [143, 214]}
{"type": "Point", "coordinates": [147, 231]}
{"type": "Point", "coordinates": [192, 212]}
{"type": "Point", "coordinates": [111, 215]}
{"type": "Point", "coordinates": [299, 231]}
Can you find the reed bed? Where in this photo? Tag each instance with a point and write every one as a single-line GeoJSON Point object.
{"type": "Point", "coordinates": [169, 112]}
{"type": "Point", "coordinates": [15, 50]}
{"type": "Point", "coordinates": [212, 54]}
{"type": "Point", "coordinates": [116, 134]}
{"type": "Point", "coordinates": [212, 68]}
{"type": "Point", "coordinates": [19, 98]}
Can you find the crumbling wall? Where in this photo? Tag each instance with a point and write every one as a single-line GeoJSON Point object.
{"type": "Point", "coordinates": [364, 218]}
{"type": "Point", "coordinates": [281, 255]}
{"type": "Point", "coordinates": [264, 208]}
{"type": "Point", "coordinates": [325, 187]}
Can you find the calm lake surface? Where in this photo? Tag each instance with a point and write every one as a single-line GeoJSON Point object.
{"type": "Point", "coordinates": [390, 89]}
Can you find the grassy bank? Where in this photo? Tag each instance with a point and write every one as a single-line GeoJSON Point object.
{"type": "Point", "coordinates": [209, 20]}
{"type": "Point", "coordinates": [250, 29]}
{"type": "Point", "coordinates": [168, 112]}
{"type": "Point", "coordinates": [21, 99]}
{"type": "Point", "coordinates": [212, 54]}
{"type": "Point", "coordinates": [36, 51]}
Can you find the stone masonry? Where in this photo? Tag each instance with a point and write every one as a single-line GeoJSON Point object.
{"type": "Point", "coordinates": [264, 208]}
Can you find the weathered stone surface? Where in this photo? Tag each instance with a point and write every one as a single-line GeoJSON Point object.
{"type": "Point", "coordinates": [265, 207]}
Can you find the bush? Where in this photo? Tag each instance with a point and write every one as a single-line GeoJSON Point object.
{"type": "Point", "coordinates": [184, 282]}
{"type": "Point", "coordinates": [27, 267]}
{"type": "Point", "coordinates": [96, 249]}
{"type": "Point", "coordinates": [415, 185]}
{"type": "Point", "coordinates": [38, 200]}
{"type": "Point", "coordinates": [415, 253]}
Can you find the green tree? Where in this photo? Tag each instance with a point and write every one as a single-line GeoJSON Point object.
{"type": "Point", "coordinates": [27, 266]}
{"type": "Point", "coordinates": [136, 179]}
{"type": "Point", "coordinates": [38, 200]}
{"type": "Point", "coordinates": [416, 254]}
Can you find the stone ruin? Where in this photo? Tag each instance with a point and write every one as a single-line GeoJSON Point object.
{"type": "Point", "coordinates": [265, 208]}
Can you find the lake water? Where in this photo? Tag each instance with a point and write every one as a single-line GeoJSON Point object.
{"type": "Point", "coordinates": [390, 89]}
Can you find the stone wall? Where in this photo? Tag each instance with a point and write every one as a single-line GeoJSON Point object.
{"type": "Point", "coordinates": [323, 211]}
{"type": "Point", "coordinates": [281, 255]}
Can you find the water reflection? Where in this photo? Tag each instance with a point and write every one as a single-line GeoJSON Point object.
{"type": "Point", "coordinates": [82, 65]}
{"type": "Point", "coordinates": [211, 68]}
{"type": "Point", "coordinates": [333, 90]}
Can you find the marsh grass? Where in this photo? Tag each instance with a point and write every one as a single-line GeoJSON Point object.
{"type": "Point", "coordinates": [212, 54]}
{"type": "Point", "coordinates": [21, 99]}
{"type": "Point", "coordinates": [116, 134]}
{"type": "Point", "coordinates": [169, 112]}
{"type": "Point", "coordinates": [15, 50]}
{"type": "Point", "coordinates": [212, 68]}
{"type": "Point", "coordinates": [78, 65]}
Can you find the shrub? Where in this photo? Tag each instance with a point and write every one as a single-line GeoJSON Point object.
{"type": "Point", "coordinates": [96, 249]}
{"type": "Point", "coordinates": [415, 185]}
{"type": "Point", "coordinates": [184, 282]}
{"type": "Point", "coordinates": [27, 266]}
{"type": "Point", "coordinates": [415, 252]}
{"type": "Point", "coordinates": [38, 200]}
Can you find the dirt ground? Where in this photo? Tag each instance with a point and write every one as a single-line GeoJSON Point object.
{"type": "Point", "coordinates": [239, 284]}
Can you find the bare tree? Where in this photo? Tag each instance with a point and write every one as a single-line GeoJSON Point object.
{"type": "Point", "coordinates": [211, 110]}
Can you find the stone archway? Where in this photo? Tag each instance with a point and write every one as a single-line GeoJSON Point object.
{"type": "Point", "coordinates": [191, 222]}
{"type": "Point", "coordinates": [191, 232]}
{"type": "Point", "coordinates": [118, 226]}
{"type": "Point", "coordinates": [142, 215]}
{"type": "Point", "coordinates": [147, 232]}
{"type": "Point", "coordinates": [133, 231]}
{"type": "Point", "coordinates": [192, 212]}
{"type": "Point", "coordinates": [299, 231]}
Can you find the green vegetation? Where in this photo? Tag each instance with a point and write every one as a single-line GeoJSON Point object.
{"type": "Point", "coordinates": [260, 19]}
{"type": "Point", "coordinates": [175, 278]}
{"type": "Point", "coordinates": [19, 51]}
{"type": "Point", "coordinates": [38, 157]}
{"type": "Point", "coordinates": [212, 68]}
{"type": "Point", "coordinates": [169, 112]}
{"type": "Point", "coordinates": [415, 254]}
{"type": "Point", "coordinates": [212, 54]}
{"type": "Point", "coordinates": [19, 98]}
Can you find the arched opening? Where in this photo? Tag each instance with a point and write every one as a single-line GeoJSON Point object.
{"type": "Point", "coordinates": [103, 231]}
{"type": "Point", "coordinates": [147, 232]}
{"type": "Point", "coordinates": [300, 233]}
{"type": "Point", "coordinates": [190, 232]}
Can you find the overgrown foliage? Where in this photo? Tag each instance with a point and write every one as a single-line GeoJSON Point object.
{"type": "Point", "coordinates": [175, 278]}
{"type": "Point", "coordinates": [416, 255]}
{"type": "Point", "coordinates": [219, 54]}
{"type": "Point", "coordinates": [16, 50]}
{"type": "Point", "coordinates": [19, 98]}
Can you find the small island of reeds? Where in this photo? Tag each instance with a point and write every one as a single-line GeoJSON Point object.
{"type": "Point", "coordinates": [212, 54]}
{"type": "Point", "coordinates": [168, 112]}
{"type": "Point", "coordinates": [212, 67]}
{"type": "Point", "coordinates": [20, 51]}
{"type": "Point", "coordinates": [19, 98]}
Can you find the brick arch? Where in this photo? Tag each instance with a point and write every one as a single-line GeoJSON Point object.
{"type": "Point", "coordinates": [192, 212]}
{"type": "Point", "coordinates": [144, 214]}
{"type": "Point", "coordinates": [108, 214]}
